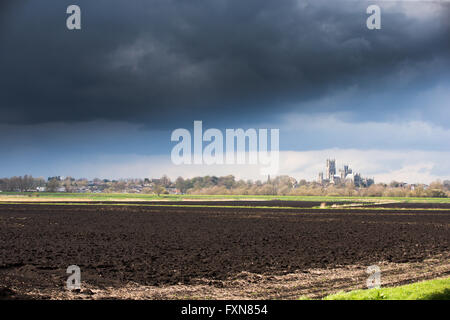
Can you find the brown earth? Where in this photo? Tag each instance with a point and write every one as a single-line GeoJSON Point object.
{"type": "Point", "coordinates": [413, 205]}
{"type": "Point", "coordinates": [120, 247]}
{"type": "Point", "coordinates": [225, 203]}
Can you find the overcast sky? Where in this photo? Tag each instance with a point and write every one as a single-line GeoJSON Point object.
{"type": "Point", "coordinates": [103, 101]}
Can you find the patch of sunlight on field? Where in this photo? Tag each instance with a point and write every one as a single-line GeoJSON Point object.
{"type": "Point", "coordinates": [438, 289]}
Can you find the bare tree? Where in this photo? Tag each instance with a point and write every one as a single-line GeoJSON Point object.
{"type": "Point", "coordinates": [159, 190]}
{"type": "Point", "coordinates": [53, 185]}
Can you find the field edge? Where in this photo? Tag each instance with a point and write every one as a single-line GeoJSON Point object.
{"type": "Point", "coordinates": [436, 289]}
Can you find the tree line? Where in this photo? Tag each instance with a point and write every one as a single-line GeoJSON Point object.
{"type": "Point", "coordinates": [225, 185]}
{"type": "Point", "coordinates": [21, 184]}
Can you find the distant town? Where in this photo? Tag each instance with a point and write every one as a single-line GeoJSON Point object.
{"type": "Point", "coordinates": [347, 183]}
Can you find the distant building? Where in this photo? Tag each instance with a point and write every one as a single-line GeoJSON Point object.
{"type": "Point", "coordinates": [345, 175]}
{"type": "Point", "coordinates": [331, 169]}
{"type": "Point", "coordinates": [172, 190]}
{"type": "Point", "coordinates": [345, 172]}
{"type": "Point", "coordinates": [58, 178]}
{"type": "Point", "coordinates": [321, 177]}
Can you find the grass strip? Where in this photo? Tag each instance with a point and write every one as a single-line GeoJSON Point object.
{"type": "Point", "coordinates": [437, 289]}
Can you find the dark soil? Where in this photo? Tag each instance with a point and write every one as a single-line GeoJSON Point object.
{"type": "Point", "coordinates": [414, 205]}
{"type": "Point", "coordinates": [254, 203]}
{"type": "Point", "coordinates": [167, 245]}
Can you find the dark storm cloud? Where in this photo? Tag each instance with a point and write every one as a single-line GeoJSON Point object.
{"type": "Point", "coordinates": [5, 5]}
{"type": "Point", "coordinates": [5, 10]}
{"type": "Point", "coordinates": [165, 62]}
